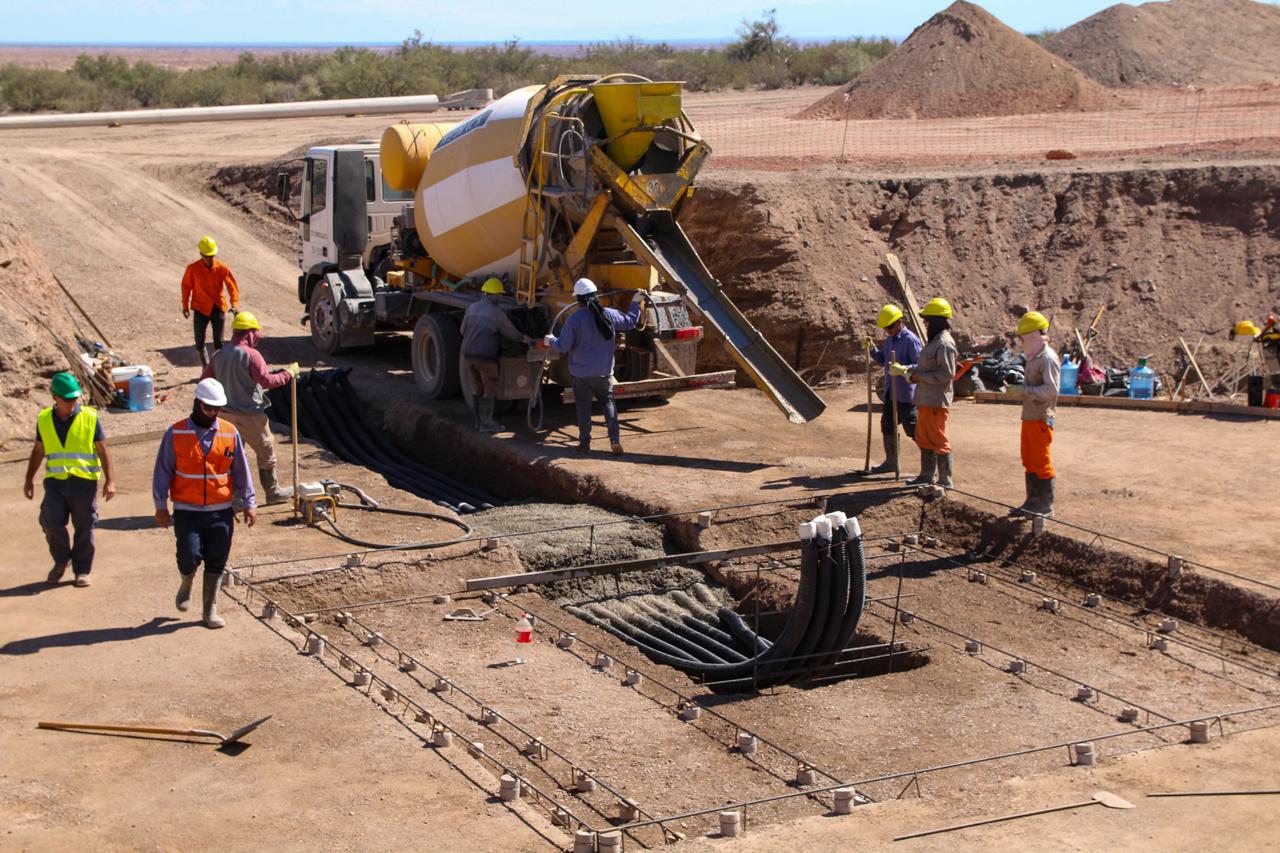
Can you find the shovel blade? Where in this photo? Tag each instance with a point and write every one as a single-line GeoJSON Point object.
{"type": "Point", "coordinates": [235, 736]}
{"type": "Point", "coordinates": [1111, 801]}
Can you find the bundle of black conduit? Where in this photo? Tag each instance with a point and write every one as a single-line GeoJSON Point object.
{"type": "Point", "coordinates": [718, 647]}
{"type": "Point", "coordinates": [329, 412]}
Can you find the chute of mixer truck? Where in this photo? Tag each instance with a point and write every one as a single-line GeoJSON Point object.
{"type": "Point", "coordinates": [584, 176]}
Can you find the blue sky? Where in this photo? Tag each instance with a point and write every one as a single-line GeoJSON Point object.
{"type": "Point", "coordinates": [371, 21]}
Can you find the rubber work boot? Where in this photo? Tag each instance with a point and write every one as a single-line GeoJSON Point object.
{"type": "Point", "coordinates": [1031, 492]}
{"type": "Point", "coordinates": [890, 462]}
{"type": "Point", "coordinates": [928, 468]}
{"type": "Point", "coordinates": [204, 359]}
{"type": "Point", "coordinates": [276, 494]}
{"type": "Point", "coordinates": [944, 469]}
{"type": "Point", "coordinates": [1044, 497]}
{"type": "Point", "coordinates": [212, 582]}
{"type": "Point", "coordinates": [615, 448]}
{"type": "Point", "coordinates": [487, 423]}
{"type": "Point", "coordinates": [183, 599]}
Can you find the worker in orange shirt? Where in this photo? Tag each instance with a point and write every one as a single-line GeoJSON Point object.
{"type": "Point", "coordinates": [202, 292]}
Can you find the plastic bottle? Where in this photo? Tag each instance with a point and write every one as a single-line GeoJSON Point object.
{"type": "Point", "coordinates": [1070, 377]}
{"type": "Point", "coordinates": [141, 393]}
{"type": "Point", "coordinates": [1142, 381]}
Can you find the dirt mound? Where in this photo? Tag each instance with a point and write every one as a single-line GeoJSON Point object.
{"type": "Point", "coordinates": [961, 62]}
{"type": "Point", "coordinates": [1176, 42]}
{"type": "Point", "coordinates": [31, 313]}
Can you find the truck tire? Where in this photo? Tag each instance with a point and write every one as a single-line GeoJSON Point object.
{"type": "Point", "coordinates": [323, 314]}
{"type": "Point", "coordinates": [437, 351]}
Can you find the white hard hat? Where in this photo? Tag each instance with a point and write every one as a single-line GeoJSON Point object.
{"type": "Point", "coordinates": [210, 392]}
{"type": "Point", "coordinates": [584, 287]}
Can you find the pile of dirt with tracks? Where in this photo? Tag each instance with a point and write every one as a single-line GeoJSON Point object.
{"type": "Point", "coordinates": [1178, 42]}
{"type": "Point", "coordinates": [32, 316]}
{"type": "Point", "coordinates": [961, 62]}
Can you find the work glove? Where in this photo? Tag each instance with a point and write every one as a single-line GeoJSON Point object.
{"type": "Point", "coordinates": [869, 343]}
{"type": "Point", "coordinates": [897, 369]}
{"type": "Point", "coordinates": [549, 341]}
{"type": "Point", "coordinates": [640, 296]}
{"type": "Point", "coordinates": [293, 369]}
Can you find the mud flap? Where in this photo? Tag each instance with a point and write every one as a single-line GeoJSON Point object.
{"type": "Point", "coordinates": [353, 298]}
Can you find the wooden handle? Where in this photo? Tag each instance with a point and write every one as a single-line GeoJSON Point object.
{"type": "Point", "coordinates": [149, 730]}
{"type": "Point", "coordinates": [293, 412]}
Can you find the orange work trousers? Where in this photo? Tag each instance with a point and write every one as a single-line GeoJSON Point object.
{"type": "Point", "coordinates": [931, 429]}
{"type": "Point", "coordinates": [1036, 438]}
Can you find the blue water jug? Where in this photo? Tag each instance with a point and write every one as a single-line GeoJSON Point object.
{"type": "Point", "coordinates": [1142, 381]}
{"type": "Point", "coordinates": [141, 393]}
{"type": "Point", "coordinates": [1070, 377]}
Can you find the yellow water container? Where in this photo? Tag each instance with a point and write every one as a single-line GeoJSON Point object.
{"type": "Point", "coordinates": [405, 150]}
{"type": "Point", "coordinates": [624, 106]}
{"type": "Point", "coordinates": [471, 198]}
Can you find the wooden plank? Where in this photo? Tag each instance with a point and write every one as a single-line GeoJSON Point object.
{"type": "Point", "coordinates": [1191, 358]}
{"type": "Point", "coordinates": [1201, 407]}
{"type": "Point", "coordinates": [913, 310]}
{"type": "Point", "coordinates": [24, 455]}
{"type": "Point", "coordinates": [670, 385]}
{"type": "Point", "coordinates": [692, 558]}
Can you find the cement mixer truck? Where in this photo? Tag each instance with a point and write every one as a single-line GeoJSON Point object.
{"type": "Point", "coordinates": [585, 176]}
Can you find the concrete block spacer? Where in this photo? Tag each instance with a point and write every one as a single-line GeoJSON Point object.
{"type": "Point", "coordinates": [1168, 626]}
{"type": "Point", "coordinates": [560, 817]}
{"type": "Point", "coordinates": [806, 775]}
{"type": "Point", "coordinates": [1084, 693]}
{"type": "Point", "coordinates": [1175, 567]}
{"type": "Point", "coordinates": [489, 544]}
{"type": "Point", "coordinates": [489, 597]}
{"type": "Point", "coordinates": [973, 647]}
{"type": "Point", "coordinates": [475, 749]}
{"type": "Point", "coordinates": [1093, 600]}
{"type": "Point", "coordinates": [930, 542]}
{"type": "Point", "coordinates": [1128, 715]}
{"type": "Point", "coordinates": [508, 788]}
{"type": "Point", "coordinates": [582, 782]}
{"type": "Point", "coordinates": [584, 841]}
{"type": "Point", "coordinates": [730, 824]}
{"type": "Point", "coordinates": [361, 678]}
{"type": "Point", "coordinates": [689, 712]}
{"type": "Point", "coordinates": [1017, 666]}
{"type": "Point", "coordinates": [489, 717]}
{"type": "Point", "coordinates": [315, 645]}
{"type": "Point", "coordinates": [704, 520]}
{"type": "Point", "coordinates": [442, 599]}
{"type": "Point", "coordinates": [608, 842]}
{"type": "Point", "coordinates": [977, 577]}
{"type": "Point", "coordinates": [1085, 756]}
{"type": "Point", "coordinates": [346, 662]}
{"type": "Point", "coordinates": [747, 743]}
{"type": "Point", "coordinates": [534, 748]}
{"type": "Point", "coordinates": [1200, 731]}
{"type": "Point", "coordinates": [893, 545]}
{"type": "Point", "coordinates": [628, 809]}
{"type": "Point", "coordinates": [354, 561]}
{"type": "Point", "coordinates": [844, 800]}
{"type": "Point", "coordinates": [268, 610]}
{"type": "Point", "coordinates": [343, 618]}
{"type": "Point", "coordinates": [1159, 644]}
{"type": "Point", "coordinates": [408, 665]}
{"type": "Point", "coordinates": [911, 539]}
{"type": "Point", "coordinates": [632, 679]}
{"type": "Point", "coordinates": [442, 685]}
{"type": "Point", "coordinates": [906, 617]}
{"type": "Point", "coordinates": [603, 662]}
{"type": "Point", "coordinates": [373, 639]}
{"type": "Point", "coordinates": [441, 737]}
{"type": "Point", "coordinates": [566, 640]}
{"type": "Point", "coordinates": [1050, 605]}
{"type": "Point", "coordinates": [522, 588]}
{"type": "Point", "coordinates": [1028, 577]}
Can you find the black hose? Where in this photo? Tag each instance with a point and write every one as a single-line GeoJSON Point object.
{"type": "Point", "coordinates": [692, 634]}
{"type": "Point", "coordinates": [420, 546]}
{"type": "Point", "coordinates": [839, 598]}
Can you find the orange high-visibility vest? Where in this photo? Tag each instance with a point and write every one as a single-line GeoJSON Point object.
{"type": "Point", "coordinates": [201, 479]}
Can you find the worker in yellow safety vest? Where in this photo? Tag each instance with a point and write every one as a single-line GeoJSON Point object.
{"type": "Point", "coordinates": [73, 447]}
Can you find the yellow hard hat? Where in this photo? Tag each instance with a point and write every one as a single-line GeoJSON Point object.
{"type": "Point", "coordinates": [245, 321]}
{"type": "Point", "coordinates": [889, 315]}
{"type": "Point", "coordinates": [493, 285]}
{"type": "Point", "coordinates": [937, 307]}
{"type": "Point", "coordinates": [207, 246]}
{"type": "Point", "coordinates": [1032, 321]}
{"type": "Point", "coordinates": [1247, 329]}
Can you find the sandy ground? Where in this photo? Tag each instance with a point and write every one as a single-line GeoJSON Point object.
{"type": "Point", "coordinates": [117, 222]}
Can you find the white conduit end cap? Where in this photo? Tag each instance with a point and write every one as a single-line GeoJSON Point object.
{"type": "Point", "coordinates": [808, 530]}
{"type": "Point", "coordinates": [853, 529]}
{"type": "Point", "coordinates": [823, 526]}
{"type": "Point", "coordinates": [837, 519]}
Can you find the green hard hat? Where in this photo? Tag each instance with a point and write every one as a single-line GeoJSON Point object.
{"type": "Point", "coordinates": [65, 385]}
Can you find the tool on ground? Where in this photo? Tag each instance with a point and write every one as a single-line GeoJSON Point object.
{"type": "Point", "coordinates": [1100, 798]}
{"type": "Point", "coordinates": [870, 424]}
{"type": "Point", "coordinates": [913, 310]}
{"type": "Point", "coordinates": [465, 614]}
{"type": "Point", "coordinates": [1265, 792]}
{"type": "Point", "coordinates": [293, 436]}
{"type": "Point", "coordinates": [893, 403]}
{"type": "Point", "coordinates": [83, 312]}
{"type": "Point", "coordinates": [223, 740]}
{"type": "Point", "coordinates": [1195, 365]}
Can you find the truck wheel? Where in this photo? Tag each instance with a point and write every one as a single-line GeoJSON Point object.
{"type": "Point", "coordinates": [437, 349]}
{"type": "Point", "coordinates": [324, 320]}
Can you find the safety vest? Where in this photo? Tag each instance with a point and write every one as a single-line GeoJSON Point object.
{"type": "Point", "coordinates": [78, 457]}
{"type": "Point", "coordinates": [202, 480]}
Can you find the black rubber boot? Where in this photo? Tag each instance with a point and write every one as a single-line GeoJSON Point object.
{"type": "Point", "coordinates": [1031, 495]}
{"type": "Point", "coordinates": [1044, 497]}
{"type": "Point", "coordinates": [183, 599]}
{"type": "Point", "coordinates": [890, 462]}
{"type": "Point", "coordinates": [487, 423]}
{"type": "Point", "coordinates": [928, 469]}
{"type": "Point", "coordinates": [211, 584]}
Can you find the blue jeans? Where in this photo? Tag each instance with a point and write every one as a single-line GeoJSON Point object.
{"type": "Point", "coordinates": [601, 388]}
{"type": "Point", "coordinates": [203, 537]}
{"type": "Point", "coordinates": [74, 498]}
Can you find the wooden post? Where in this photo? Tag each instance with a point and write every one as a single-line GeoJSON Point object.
{"type": "Point", "coordinates": [867, 466]}
{"type": "Point", "coordinates": [293, 431]}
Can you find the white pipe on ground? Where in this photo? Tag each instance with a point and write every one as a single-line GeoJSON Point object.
{"type": "Point", "coordinates": [292, 109]}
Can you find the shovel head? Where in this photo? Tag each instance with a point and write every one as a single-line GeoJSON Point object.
{"type": "Point", "coordinates": [235, 736]}
{"type": "Point", "coordinates": [1111, 801]}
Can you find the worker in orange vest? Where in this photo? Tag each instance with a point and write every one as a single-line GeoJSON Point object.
{"type": "Point", "coordinates": [202, 467]}
{"type": "Point", "coordinates": [203, 283]}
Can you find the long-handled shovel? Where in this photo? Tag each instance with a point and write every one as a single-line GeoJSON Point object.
{"type": "Point", "coordinates": [866, 468]}
{"type": "Point", "coordinates": [223, 740]}
{"type": "Point", "coordinates": [1103, 798]}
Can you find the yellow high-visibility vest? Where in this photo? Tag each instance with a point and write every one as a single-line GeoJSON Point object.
{"type": "Point", "coordinates": [78, 457]}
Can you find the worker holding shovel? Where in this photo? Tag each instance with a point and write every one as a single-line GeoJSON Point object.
{"type": "Point", "coordinates": [202, 466]}
{"type": "Point", "coordinates": [901, 347]}
{"type": "Point", "coordinates": [932, 377]}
